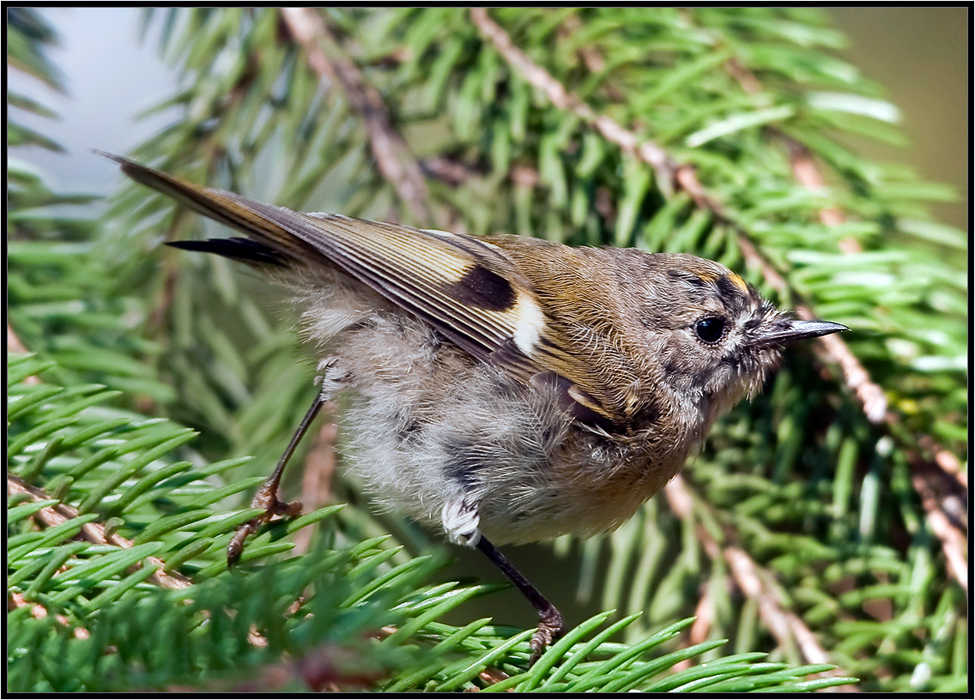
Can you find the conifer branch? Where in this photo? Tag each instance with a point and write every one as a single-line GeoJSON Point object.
{"type": "Point", "coordinates": [784, 625]}
{"type": "Point", "coordinates": [94, 532]}
{"type": "Point", "coordinates": [393, 157]}
{"type": "Point", "coordinates": [804, 168]}
{"type": "Point", "coordinates": [807, 173]}
{"type": "Point", "coordinates": [953, 542]}
{"type": "Point", "coordinates": [649, 152]}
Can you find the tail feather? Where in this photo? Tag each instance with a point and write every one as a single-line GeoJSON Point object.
{"type": "Point", "coordinates": [272, 243]}
{"type": "Point", "coordinates": [241, 249]}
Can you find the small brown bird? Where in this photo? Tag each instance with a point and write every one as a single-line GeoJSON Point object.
{"type": "Point", "coordinates": [503, 389]}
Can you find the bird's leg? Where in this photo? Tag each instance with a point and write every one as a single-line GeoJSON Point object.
{"type": "Point", "coordinates": [267, 495]}
{"type": "Point", "coordinates": [550, 625]}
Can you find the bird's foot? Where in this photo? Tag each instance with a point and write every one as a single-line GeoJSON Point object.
{"type": "Point", "coordinates": [550, 629]}
{"type": "Point", "coordinates": [266, 498]}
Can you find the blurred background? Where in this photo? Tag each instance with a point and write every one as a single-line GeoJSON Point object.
{"type": "Point", "coordinates": [919, 54]}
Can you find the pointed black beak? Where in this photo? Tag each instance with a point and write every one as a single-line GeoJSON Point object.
{"type": "Point", "coordinates": [794, 329]}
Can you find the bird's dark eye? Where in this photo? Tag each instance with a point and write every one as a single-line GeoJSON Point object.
{"type": "Point", "coordinates": [710, 329]}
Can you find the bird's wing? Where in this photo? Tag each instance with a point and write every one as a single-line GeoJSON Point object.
{"type": "Point", "coordinates": [468, 289]}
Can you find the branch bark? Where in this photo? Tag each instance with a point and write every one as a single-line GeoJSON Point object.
{"type": "Point", "coordinates": [14, 345]}
{"type": "Point", "coordinates": [393, 157]}
{"type": "Point", "coordinates": [95, 532]}
{"type": "Point", "coordinates": [54, 515]}
{"type": "Point", "coordinates": [784, 625]}
{"type": "Point", "coordinates": [612, 131]}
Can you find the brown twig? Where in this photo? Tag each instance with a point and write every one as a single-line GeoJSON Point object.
{"type": "Point", "coordinates": [948, 462]}
{"type": "Point", "coordinates": [393, 157]}
{"type": "Point", "coordinates": [493, 675]}
{"type": "Point", "coordinates": [612, 131]}
{"type": "Point", "coordinates": [784, 625]}
{"type": "Point", "coordinates": [316, 478]}
{"type": "Point", "coordinates": [157, 314]}
{"type": "Point", "coordinates": [53, 515]}
{"type": "Point", "coordinates": [703, 618]}
{"type": "Point", "coordinates": [954, 544]}
{"type": "Point", "coordinates": [39, 612]}
{"type": "Point", "coordinates": [14, 345]}
{"type": "Point", "coordinates": [592, 59]}
{"type": "Point", "coordinates": [13, 342]}
{"type": "Point", "coordinates": [807, 174]}
{"type": "Point", "coordinates": [703, 621]}
{"type": "Point", "coordinates": [449, 171]}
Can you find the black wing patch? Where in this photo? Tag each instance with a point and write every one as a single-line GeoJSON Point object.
{"type": "Point", "coordinates": [485, 289]}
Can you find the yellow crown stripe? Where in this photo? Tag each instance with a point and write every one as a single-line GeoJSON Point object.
{"type": "Point", "coordinates": [739, 282]}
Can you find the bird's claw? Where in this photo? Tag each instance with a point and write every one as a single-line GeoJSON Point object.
{"type": "Point", "coordinates": [273, 506]}
{"type": "Point", "coordinates": [550, 629]}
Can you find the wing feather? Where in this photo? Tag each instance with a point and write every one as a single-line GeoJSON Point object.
{"type": "Point", "coordinates": [468, 289]}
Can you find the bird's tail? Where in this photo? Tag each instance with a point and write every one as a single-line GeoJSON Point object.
{"type": "Point", "coordinates": [267, 242]}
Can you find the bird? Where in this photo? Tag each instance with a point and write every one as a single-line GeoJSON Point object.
{"type": "Point", "coordinates": [501, 389]}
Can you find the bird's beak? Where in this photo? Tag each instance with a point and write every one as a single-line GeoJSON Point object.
{"type": "Point", "coordinates": [794, 329]}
